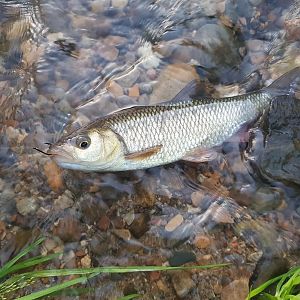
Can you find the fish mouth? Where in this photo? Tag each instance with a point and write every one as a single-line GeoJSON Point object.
{"type": "Point", "coordinates": [59, 154]}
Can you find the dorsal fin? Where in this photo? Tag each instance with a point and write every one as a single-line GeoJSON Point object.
{"type": "Point", "coordinates": [186, 93]}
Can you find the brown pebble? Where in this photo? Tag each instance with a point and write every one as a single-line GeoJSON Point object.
{"type": "Point", "coordinates": [197, 198]}
{"type": "Point", "coordinates": [236, 290]}
{"type": "Point", "coordinates": [104, 223]}
{"type": "Point", "coordinates": [80, 253]}
{"type": "Point", "coordinates": [154, 276]}
{"type": "Point", "coordinates": [134, 91]}
{"type": "Point", "coordinates": [115, 88]}
{"type": "Point", "coordinates": [109, 53]}
{"type": "Point", "coordinates": [118, 222]}
{"type": "Point", "coordinates": [54, 176]}
{"type": "Point", "coordinates": [86, 261]}
{"type": "Point", "coordinates": [174, 223]}
{"type": "Point", "coordinates": [202, 241]}
{"type": "Point", "coordinates": [68, 229]}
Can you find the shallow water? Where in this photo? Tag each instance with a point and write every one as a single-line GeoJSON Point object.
{"type": "Point", "coordinates": [63, 63]}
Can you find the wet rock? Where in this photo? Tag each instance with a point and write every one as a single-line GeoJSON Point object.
{"type": "Point", "coordinates": [86, 262]}
{"type": "Point", "coordinates": [103, 223]}
{"type": "Point", "coordinates": [134, 91]}
{"type": "Point", "coordinates": [115, 88]}
{"type": "Point", "coordinates": [99, 244]}
{"type": "Point", "coordinates": [182, 283]}
{"type": "Point", "coordinates": [171, 80]}
{"type": "Point", "coordinates": [202, 241]}
{"type": "Point", "coordinates": [146, 88]}
{"type": "Point", "coordinates": [109, 53]}
{"type": "Point", "coordinates": [266, 199]}
{"type": "Point", "coordinates": [49, 245]}
{"type": "Point", "coordinates": [27, 206]}
{"type": "Point", "coordinates": [123, 234]}
{"type": "Point", "coordinates": [64, 201]}
{"type": "Point", "coordinates": [236, 290]}
{"type": "Point", "coordinates": [54, 176]}
{"type": "Point", "coordinates": [129, 78]}
{"type": "Point", "coordinates": [68, 229]}
{"type": "Point", "coordinates": [140, 225]}
{"type": "Point", "coordinates": [115, 40]}
{"type": "Point", "coordinates": [197, 198]}
{"type": "Point", "coordinates": [99, 6]}
{"type": "Point", "coordinates": [119, 3]}
{"type": "Point", "coordinates": [174, 223]}
{"type": "Point", "coordinates": [182, 257]}
{"type": "Point", "coordinates": [258, 45]}
{"type": "Point", "coordinates": [92, 208]}
{"type": "Point", "coordinates": [257, 58]}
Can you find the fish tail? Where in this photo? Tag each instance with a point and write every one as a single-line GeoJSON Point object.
{"type": "Point", "coordinates": [286, 85]}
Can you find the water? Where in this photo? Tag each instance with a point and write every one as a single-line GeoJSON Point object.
{"type": "Point", "coordinates": [68, 62]}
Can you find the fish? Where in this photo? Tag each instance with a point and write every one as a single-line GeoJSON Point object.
{"type": "Point", "coordinates": [184, 128]}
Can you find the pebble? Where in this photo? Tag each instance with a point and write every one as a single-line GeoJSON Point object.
{"type": "Point", "coordinates": [68, 229]}
{"type": "Point", "coordinates": [86, 262]}
{"type": "Point", "coordinates": [99, 6]}
{"type": "Point", "coordinates": [152, 74]}
{"type": "Point", "coordinates": [172, 80]}
{"type": "Point", "coordinates": [202, 241]}
{"type": "Point", "coordinates": [115, 89]}
{"type": "Point", "coordinates": [64, 201]}
{"type": "Point", "coordinates": [134, 91]}
{"type": "Point", "coordinates": [104, 223]}
{"type": "Point", "coordinates": [236, 290]}
{"type": "Point", "coordinates": [124, 234]}
{"type": "Point", "coordinates": [26, 206]}
{"type": "Point", "coordinates": [174, 223]}
{"type": "Point", "coordinates": [183, 283]}
{"type": "Point", "coordinates": [197, 198]}
{"type": "Point", "coordinates": [109, 53]}
{"type": "Point", "coordinates": [146, 88]}
{"type": "Point", "coordinates": [119, 3]}
{"type": "Point", "coordinates": [257, 58]}
{"type": "Point", "coordinates": [140, 225]}
{"type": "Point", "coordinates": [129, 79]}
{"type": "Point", "coordinates": [54, 176]}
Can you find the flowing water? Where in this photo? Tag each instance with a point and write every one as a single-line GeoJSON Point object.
{"type": "Point", "coordinates": [63, 63]}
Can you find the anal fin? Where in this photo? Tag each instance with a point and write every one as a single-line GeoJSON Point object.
{"type": "Point", "coordinates": [143, 154]}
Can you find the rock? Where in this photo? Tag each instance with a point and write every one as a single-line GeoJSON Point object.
{"type": "Point", "coordinates": [115, 88]}
{"type": "Point", "coordinates": [152, 74]}
{"type": "Point", "coordinates": [54, 176]}
{"type": "Point", "coordinates": [174, 223]}
{"type": "Point", "coordinates": [104, 223]}
{"type": "Point", "coordinates": [123, 234]}
{"type": "Point", "coordinates": [86, 262]}
{"type": "Point", "coordinates": [109, 53]}
{"type": "Point", "coordinates": [182, 257]}
{"type": "Point", "coordinates": [197, 198]}
{"type": "Point", "coordinates": [64, 201]}
{"type": "Point", "coordinates": [258, 45]}
{"type": "Point", "coordinates": [49, 245]}
{"type": "Point", "coordinates": [257, 58]}
{"type": "Point", "coordinates": [115, 40]}
{"type": "Point", "coordinates": [255, 2]}
{"type": "Point", "coordinates": [236, 290]}
{"type": "Point", "coordinates": [99, 6]}
{"type": "Point", "coordinates": [183, 283]}
{"type": "Point", "coordinates": [146, 88]}
{"type": "Point", "coordinates": [129, 78]}
{"type": "Point", "coordinates": [202, 241]}
{"type": "Point", "coordinates": [134, 91]}
{"type": "Point", "coordinates": [99, 244]}
{"type": "Point", "coordinates": [172, 80]}
{"type": "Point", "coordinates": [140, 225]}
{"type": "Point", "coordinates": [119, 3]}
{"type": "Point", "coordinates": [68, 229]}
{"type": "Point", "coordinates": [26, 206]}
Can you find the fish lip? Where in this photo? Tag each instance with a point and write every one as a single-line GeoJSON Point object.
{"type": "Point", "coordinates": [59, 154]}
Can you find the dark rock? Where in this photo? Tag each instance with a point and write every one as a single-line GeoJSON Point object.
{"type": "Point", "coordinates": [182, 257]}
{"type": "Point", "coordinates": [68, 229]}
{"type": "Point", "coordinates": [182, 283]}
{"type": "Point", "coordinates": [140, 225]}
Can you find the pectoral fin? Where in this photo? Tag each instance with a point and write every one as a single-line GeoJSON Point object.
{"type": "Point", "coordinates": [199, 155]}
{"type": "Point", "coordinates": [143, 154]}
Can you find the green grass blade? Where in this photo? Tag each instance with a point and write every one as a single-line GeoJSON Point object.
{"type": "Point", "coordinates": [9, 264]}
{"type": "Point", "coordinates": [56, 288]}
{"type": "Point", "coordinates": [29, 263]}
{"type": "Point", "coordinates": [129, 297]}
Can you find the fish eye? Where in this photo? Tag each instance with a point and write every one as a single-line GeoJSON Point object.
{"type": "Point", "coordinates": [83, 142]}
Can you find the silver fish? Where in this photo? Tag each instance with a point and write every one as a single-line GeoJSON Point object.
{"type": "Point", "coordinates": [182, 129]}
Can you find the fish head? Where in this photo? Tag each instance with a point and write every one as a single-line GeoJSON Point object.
{"type": "Point", "coordinates": [88, 150]}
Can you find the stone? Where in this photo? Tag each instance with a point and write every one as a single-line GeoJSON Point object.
{"type": "Point", "coordinates": [115, 40]}
{"type": "Point", "coordinates": [202, 241]}
{"type": "Point", "coordinates": [257, 58]}
{"type": "Point", "coordinates": [115, 88]}
{"type": "Point", "coordinates": [197, 198]}
{"type": "Point", "coordinates": [86, 261]}
{"type": "Point", "coordinates": [104, 223]}
{"type": "Point", "coordinates": [171, 81]}
{"type": "Point", "coordinates": [68, 229]}
{"type": "Point", "coordinates": [26, 206]}
{"type": "Point", "coordinates": [99, 6]}
{"type": "Point", "coordinates": [183, 283]}
{"type": "Point", "coordinates": [174, 223]}
{"type": "Point", "coordinates": [54, 176]}
{"type": "Point", "coordinates": [236, 290]}
{"type": "Point", "coordinates": [140, 225]}
{"type": "Point", "coordinates": [109, 53]}
{"type": "Point", "coordinates": [64, 201]}
{"type": "Point", "coordinates": [146, 88]}
{"type": "Point", "coordinates": [129, 79]}
{"type": "Point", "coordinates": [134, 91]}
{"type": "Point", "coordinates": [119, 3]}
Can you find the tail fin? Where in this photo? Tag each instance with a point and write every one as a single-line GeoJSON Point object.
{"type": "Point", "coordinates": [286, 84]}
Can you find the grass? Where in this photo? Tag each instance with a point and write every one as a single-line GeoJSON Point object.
{"type": "Point", "coordinates": [287, 288]}
{"type": "Point", "coordinates": [14, 277]}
